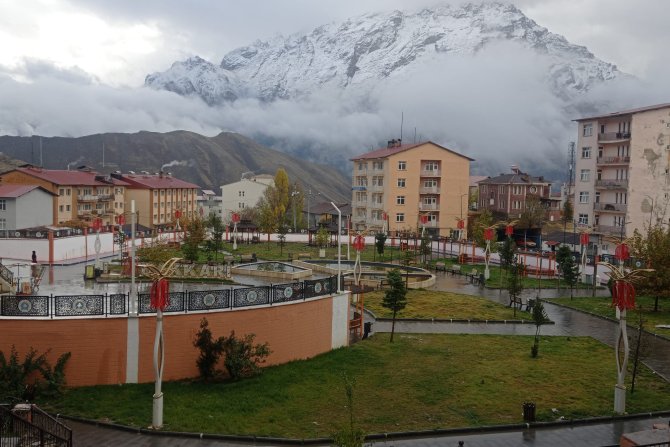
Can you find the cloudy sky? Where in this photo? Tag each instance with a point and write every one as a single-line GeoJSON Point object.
{"type": "Point", "coordinates": [74, 67]}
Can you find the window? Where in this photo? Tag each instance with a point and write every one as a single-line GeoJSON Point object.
{"type": "Point", "coordinates": [402, 166]}
{"type": "Point", "coordinates": [583, 219]}
{"type": "Point", "coordinates": [377, 215]}
{"type": "Point", "coordinates": [401, 183]}
{"type": "Point", "coordinates": [361, 181]}
{"type": "Point", "coordinates": [67, 207]}
{"type": "Point", "coordinates": [400, 217]}
{"type": "Point", "coordinates": [377, 165]}
{"type": "Point", "coordinates": [430, 183]}
{"type": "Point", "coordinates": [587, 130]}
{"type": "Point", "coordinates": [3, 204]}
{"type": "Point", "coordinates": [585, 175]}
{"type": "Point", "coordinates": [584, 197]}
{"type": "Point", "coordinates": [532, 189]}
{"type": "Point", "coordinates": [516, 204]}
{"type": "Point", "coordinates": [586, 152]}
{"type": "Point", "coordinates": [431, 166]}
{"type": "Point", "coordinates": [400, 200]}
{"type": "Point", "coordinates": [3, 224]}
{"type": "Point", "coordinates": [362, 166]}
{"type": "Point", "coordinates": [378, 181]}
{"type": "Point", "coordinates": [61, 208]}
{"type": "Point", "coordinates": [155, 195]}
{"type": "Point", "coordinates": [361, 212]}
{"type": "Point", "coordinates": [517, 190]}
{"type": "Point", "coordinates": [61, 192]}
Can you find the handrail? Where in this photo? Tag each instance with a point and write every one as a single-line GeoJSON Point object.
{"type": "Point", "coordinates": [27, 429]}
{"type": "Point", "coordinates": [6, 274]}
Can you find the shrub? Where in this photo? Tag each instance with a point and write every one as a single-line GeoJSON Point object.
{"type": "Point", "coordinates": [32, 377]}
{"type": "Point", "coordinates": [210, 350]}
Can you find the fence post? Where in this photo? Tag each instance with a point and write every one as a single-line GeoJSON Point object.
{"type": "Point", "coordinates": [51, 306]}
{"type": "Point", "coordinates": [271, 294]}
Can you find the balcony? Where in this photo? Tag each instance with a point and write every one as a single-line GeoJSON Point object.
{"type": "Point", "coordinates": [87, 198]}
{"type": "Point", "coordinates": [430, 224]}
{"type": "Point", "coordinates": [359, 188]}
{"type": "Point", "coordinates": [613, 137]}
{"type": "Point", "coordinates": [376, 188]}
{"type": "Point", "coordinates": [429, 206]}
{"type": "Point", "coordinates": [612, 184]}
{"type": "Point", "coordinates": [430, 173]}
{"type": "Point", "coordinates": [429, 190]}
{"type": "Point", "coordinates": [613, 160]}
{"type": "Point", "coordinates": [377, 206]}
{"type": "Point", "coordinates": [359, 203]}
{"type": "Point", "coordinates": [610, 229]}
{"type": "Point", "coordinates": [610, 207]}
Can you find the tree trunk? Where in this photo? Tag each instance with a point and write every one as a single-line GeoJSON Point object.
{"type": "Point", "coordinates": [393, 325]}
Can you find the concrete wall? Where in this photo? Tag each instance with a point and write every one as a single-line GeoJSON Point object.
{"type": "Point", "coordinates": [34, 209]}
{"type": "Point", "coordinates": [294, 331]}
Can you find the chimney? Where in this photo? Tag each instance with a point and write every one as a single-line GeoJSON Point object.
{"type": "Point", "coordinates": [390, 144]}
{"type": "Point", "coordinates": [515, 169]}
{"type": "Point", "coordinates": [160, 174]}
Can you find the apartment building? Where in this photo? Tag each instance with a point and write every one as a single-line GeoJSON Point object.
{"type": "Point", "coordinates": [393, 187]}
{"type": "Point", "coordinates": [79, 195]}
{"type": "Point", "coordinates": [621, 171]}
{"type": "Point", "coordinates": [237, 196]}
{"type": "Point", "coordinates": [507, 194]}
{"type": "Point", "coordinates": [158, 197]}
{"type": "Point", "coordinates": [24, 206]}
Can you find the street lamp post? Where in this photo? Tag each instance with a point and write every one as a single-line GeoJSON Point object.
{"type": "Point", "coordinates": [293, 194]}
{"type": "Point", "coordinates": [339, 248]}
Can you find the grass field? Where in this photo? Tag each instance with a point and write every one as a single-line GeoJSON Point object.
{"type": "Point", "coordinates": [429, 304]}
{"type": "Point", "coordinates": [420, 382]}
{"type": "Point", "coordinates": [645, 306]}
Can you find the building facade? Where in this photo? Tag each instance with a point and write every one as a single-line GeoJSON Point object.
{"type": "Point", "coordinates": [25, 206]}
{"type": "Point", "coordinates": [158, 197]}
{"type": "Point", "coordinates": [238, 196]}
{"type": "Point", "coordinates": [209, 203]}
{"type": "Point", "coordinates": [622, 170]}
{"type": "Point", "coordinates": [508, 194]}
{"type": "Point", "coordinates": [79, 195]}
{"type": "Point", "coordinates": [394, 187]}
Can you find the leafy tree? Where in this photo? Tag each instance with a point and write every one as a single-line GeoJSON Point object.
{"type": "Point", "coordinates": [539, 318]}
{"type": "Point", "coordinates": [215, 226]}
{"type": "Point", "coordinates": [654, 247]}
{"type": "Point", "coordinates": [395, 298]}
{"type": "Point", "coordinates": [515, 282]}
{"type": "Point", "coordinates": [507, 253]}
{"type": "Point", "coordinates": [272, 207]}
{"type": "Point", "coordinates": [425, 247]}
{"type": "Point", "coordinates": [568, 267]}
{"type": "Point", "coordinates": [27, 379]}
{"type": "Point", "coordinates": [156, 252]}
{"type": "Point", "coordinates": [380, 241]}
{"type": "Point", "coordinates": [484, 221]}
{"type": "Point", "coordinates": [567, 214]}
{"type": "Point", "coordinates": [243, 357]}
{"type": "Point", "coordinates": [534, 214]}
{"type": "Point", "coordinates": [194, 235]}
{"type": "Point", "coordinates": [322, 237]}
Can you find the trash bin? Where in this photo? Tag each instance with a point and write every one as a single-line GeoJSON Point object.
{"type": "Point", "coordinates": [529, 411]}
{"type": "Point", "coordinates": [367, 328]}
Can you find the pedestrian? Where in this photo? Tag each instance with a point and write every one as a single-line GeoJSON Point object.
{"type": "Point", "coordinates": [34, 257]}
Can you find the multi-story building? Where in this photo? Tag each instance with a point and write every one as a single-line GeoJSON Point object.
{"type": "Point", "coordinates": [395, 186]}
{"type": "Point", "coordinates": [158, 197]}
{"type": "Point", "coordinates": [622, 170]}
{"type": "Point", "coordinates": [79, 195]}
{"type": "Point", "coordinates": [246, 193]}
{"type": "Point", "coordinates": [506, 194]}
{"type": "Point", "coordinates": [209, 203]}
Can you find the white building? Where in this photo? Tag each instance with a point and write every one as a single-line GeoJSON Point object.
{"type": "Point", "coordinates": [246, 193]}
{"type": "Point", "coordinates": [208, 202]}
{"type": "Point", "coordinates": [25, 206]}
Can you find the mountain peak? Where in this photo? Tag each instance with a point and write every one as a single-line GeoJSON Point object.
{"type": "Point", "coordinates": [362, 51]}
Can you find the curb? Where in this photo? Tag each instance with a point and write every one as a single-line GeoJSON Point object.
{"type": "Point", "coordinates": [374, 436]}
{"type": "Point", "coordinates": [456, 320]}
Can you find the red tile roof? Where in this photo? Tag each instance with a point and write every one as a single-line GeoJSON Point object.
{"type": "Point", "coordinates": [153, 181]}
{"type": "Point", "coordinates": [387, 151]}
{"type": "Point", "coordinates": [64, 177]}
{"type": "Point", "coordinates": [10, 190]}
{"type": "Point", "coordinates": [626, 112]}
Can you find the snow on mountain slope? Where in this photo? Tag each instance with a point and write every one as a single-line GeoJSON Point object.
{"type": "Point", "coordinates": [361, 52]}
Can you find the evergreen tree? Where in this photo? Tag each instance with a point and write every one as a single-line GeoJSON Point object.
{"type": "Point", "coordinates": [395, 298]}
{"type": "Point", "coordinates": [515, 282]}
{"type": "Point", "coordinates": [568, 267]}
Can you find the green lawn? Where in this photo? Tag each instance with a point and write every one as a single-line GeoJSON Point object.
{"type": "Point", "coordinates": [496, 282]}
{"type": "Point", "coordinates": [419, 382]}
{"type": "Point", "coordinates": [603, 306]}
{"type": "Point", "coordinates": [444, 305]}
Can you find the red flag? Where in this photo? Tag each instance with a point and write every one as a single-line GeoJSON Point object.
{"type": "Point", "coordinates": [621, 252]}
{"type": "Point", "coordinates": [509, 230]}
{"type": "Point", "coordinates": [584, 239]}
{"type": "Point", "coordinates": [359, 243]}
{"type": "Point", "coordinates": [488, 234]}
{"type": "Point", "coordinates": [160, 294]}
{"type": "Point", "coordinates": [623, 295]}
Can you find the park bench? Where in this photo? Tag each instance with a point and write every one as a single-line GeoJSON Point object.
{"type": "Point", "coordinates": [303, 255]}
{"type": "Point", "coordinates": [441, 266]}
{"type": "Point", "coordinates": [455, 269]}
{"type": "Point", "coordinates": [530, 303]}
{"type": "Point", "coordinates": [247, 258]}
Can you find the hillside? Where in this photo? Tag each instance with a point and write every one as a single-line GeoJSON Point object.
{"type": "Point", "coordinates": [206, 161]}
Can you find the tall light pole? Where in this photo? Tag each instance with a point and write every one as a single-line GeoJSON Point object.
{"type": "Point", "coordinates": [339, 248]}
{"type": "Point", "coordinates": [293, 194]}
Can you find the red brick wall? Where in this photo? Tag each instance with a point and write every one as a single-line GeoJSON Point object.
{"type": "Point", "coordinates": [98, 346]}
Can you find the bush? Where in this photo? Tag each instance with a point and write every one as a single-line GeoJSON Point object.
{"type": "Point", "coordinates": [32, 377]}
{"type": "Point", "coordinates": [242, 357]}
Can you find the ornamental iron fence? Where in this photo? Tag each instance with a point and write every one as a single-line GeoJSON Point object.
{"type": "Point", "coordinates": [116, 304]}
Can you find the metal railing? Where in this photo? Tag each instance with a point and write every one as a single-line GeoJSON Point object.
{"type": "Point", "coordinates": [612, 160]}
{"type": "Point", "coordinates": [613, 207]}
{"type": "Point", "coordinates": [430, 173]}
{"type": "Point", "coordinates": [612, 184]}
{"type": "Point", "coordinates": [429, 190]}
{"type": "Point", "coordinates": [32, 427]}
{"type": "Point", "coordinates": [179, 302]}
{"type": "Point", "coordinates": [429, 206]}
{"type": "Point", "coordinates": [613, 136]}
{"type": "Point", "coordinates": [6, 274]}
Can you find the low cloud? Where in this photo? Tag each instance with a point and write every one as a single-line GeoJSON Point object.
{"type": "Point", "coordinates": [496, 107]}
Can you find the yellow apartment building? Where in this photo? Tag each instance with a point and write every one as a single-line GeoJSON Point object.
{"type": "Point", "coordinates": [393, 187]}
{"type": "Point", "coordinates": [158, 197]}
{"type": "Point", "coordinates": [79, 195]}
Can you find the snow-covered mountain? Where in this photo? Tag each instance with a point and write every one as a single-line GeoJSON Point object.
{"type": "Point", "coordinates": [364, 51]}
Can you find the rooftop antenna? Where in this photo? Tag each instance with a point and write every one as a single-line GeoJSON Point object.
{"type": "Point", "coordinates": [402, 121]}
{"type": "Point", "coordinates": [415, 135]}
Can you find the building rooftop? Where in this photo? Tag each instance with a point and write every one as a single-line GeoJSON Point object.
{"type": "Point", "coordinates": [396, 147]}
{"type": "Point", "coordinates": [626, 112]}
{"type": "Point", "coordinates": [475, 179]}
{"type": "Point", "coordinates": [515, 177]}
{"type": "Point", "coordinates": [71, 178]}
{"type": "Point", "coordinates": [155, 181]}
{"type": "Point", "coordinates": [13, 191]}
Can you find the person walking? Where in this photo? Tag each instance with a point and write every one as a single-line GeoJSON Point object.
{"type": "Point", "coordinates": [34, 257]}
